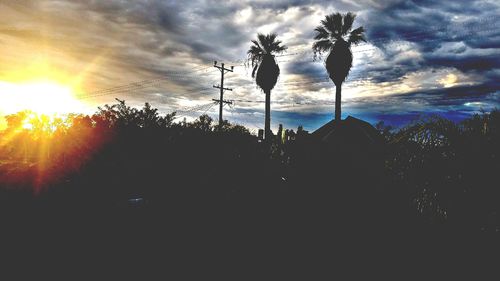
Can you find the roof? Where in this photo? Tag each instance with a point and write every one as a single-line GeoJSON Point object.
{"type": "Point", "coordinates": [351, 130]}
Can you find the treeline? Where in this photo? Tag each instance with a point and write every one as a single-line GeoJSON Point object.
{"type": "Point", "coordinates": [39, 150]}
{"type": "Point", "coordinates": [434, 172]}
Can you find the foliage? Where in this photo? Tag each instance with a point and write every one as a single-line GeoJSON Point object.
{"type": "Point", "coordinates": [264, 46]}
{"type": "Point", "coordinates": [121, 115]}
{"type": "Point", "coordinates": [447, 168]}
{"type": "Point", "coordinates": [445, 172]}
{"type": "Point", "coordinates": [203, 123]}
{"type": "Point", "coordinates": [61, 146]}
{"type": "Point", "coordinates": [333, 30]}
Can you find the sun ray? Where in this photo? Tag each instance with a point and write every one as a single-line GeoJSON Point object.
{"type": "Point", "coordinates": [94, 64]}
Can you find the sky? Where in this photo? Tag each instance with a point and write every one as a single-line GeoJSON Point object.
{"type": "Point", "coordinates": [421, 58]}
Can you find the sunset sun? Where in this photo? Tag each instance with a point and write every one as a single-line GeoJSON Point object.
{"type": "Point", "coordinates": [39, 96]}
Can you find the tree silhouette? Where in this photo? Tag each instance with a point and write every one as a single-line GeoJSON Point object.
{"type": "Point", "coordinates": [265, 69]}
{"type": "Point", "coordinates": [203, 123]}
{"type": "Point", "coordinates": [149, 117]}
{"type": "Point", "coordinates": [335, 35]}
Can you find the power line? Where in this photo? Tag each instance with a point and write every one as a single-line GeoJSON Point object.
{"type": "Point", "coordinates": [136, 85]}
{"type": "Point", "coordinates": [213, 104]}
{"type": "Point", "coordinates": [395, 42]}
{"type": "Point", "coordinates": [203, 107]}
{"type": "Point", "coordinates": [475, 30]}
{"type": "Point", "coordinates": [129, 88]}
{"type": "Point", "coordinates": [418, 34]}
{"type": "Point", "coordinates": [232, 111]}
{"type": "Point", "coordinates": [182, 75]}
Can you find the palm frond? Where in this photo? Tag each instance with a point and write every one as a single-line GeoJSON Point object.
{"type": "Point", "coordinates": [263, 46]}
{"type": "Point", "coordinates": [356, 36]}
{"type": "Point", "coordinates": [255, 54]}
{"type": "Point", "coordinates": [255, 51]}
{"type": "Point", "coordinates": [276, 47]}
{"type": "Point", "coordinates": [321, 33]}
{"type": "Point", "coordinates": [271, 37]}
{"type": "Point", "coordinates": [256, 44]}
{"type": "Point", "coordinates": [263, 42]}
{"type": "Point", "coordinates": [254, 71]}
{"type": "Point", "coordinates": [333, 23]}
{"type": "Point", "coordinates": [348, 21]}
{"type": "Point", "coordinates": [322, 46]}
{"type": "Point", "coordinates": [269, 44]}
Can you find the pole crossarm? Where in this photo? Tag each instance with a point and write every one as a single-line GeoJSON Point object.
{"type": "Point", "coordinates": [224, 101]}
{"type": "Point", "coordinates": [226, 89]}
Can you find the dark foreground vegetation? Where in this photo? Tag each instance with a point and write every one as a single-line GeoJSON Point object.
{"type": "Point", "coordinates": [129, 191]}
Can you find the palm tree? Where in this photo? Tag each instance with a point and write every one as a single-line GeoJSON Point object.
{"type": "Point", "coordinates": [335, 35]}
{"type": "Point", "coordinates": [265, 69]}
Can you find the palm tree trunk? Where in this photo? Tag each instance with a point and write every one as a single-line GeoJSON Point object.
{"type": "Point", "coordinates": [267, 126]}
{"type": "Point", "coordinates": [338, 90]}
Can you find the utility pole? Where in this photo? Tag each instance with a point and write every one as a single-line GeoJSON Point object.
{"type": "Point", "coordinates": [221, 101]}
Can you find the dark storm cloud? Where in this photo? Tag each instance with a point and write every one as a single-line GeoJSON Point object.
{"type": "Point", "coordinates": [309, 69]}
{"type": "Point", "coordinates": [456, 96]}
{"type": "Point", "coordinates": [477, 62]}
{"type": "Point", "coordinates": [387, 73]}
{"type": "Point", "coordinates": [405, 20]}
{"type": "Point", "coordinates": [486, 41]}
{"type": "Point", "coordinates": [156, 15]}
{"type": "Point", "coordinates": [430, 24]}
{"type": "Point", "coordinates": [145, 39]}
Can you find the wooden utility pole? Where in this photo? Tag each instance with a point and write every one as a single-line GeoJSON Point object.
{"type": "Point", "coordinates": [221, 101]}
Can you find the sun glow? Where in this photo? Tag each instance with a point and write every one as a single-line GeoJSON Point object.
{"type": "Point", "coordinates": [39, 96]}
{"type": "Point", "coordinates": [45, 124]}
{"type": "Point", "coordinates": [449, 81]}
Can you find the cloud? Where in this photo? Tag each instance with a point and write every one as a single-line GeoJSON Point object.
{"type": "Point", "coordinates": [421, 55]}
